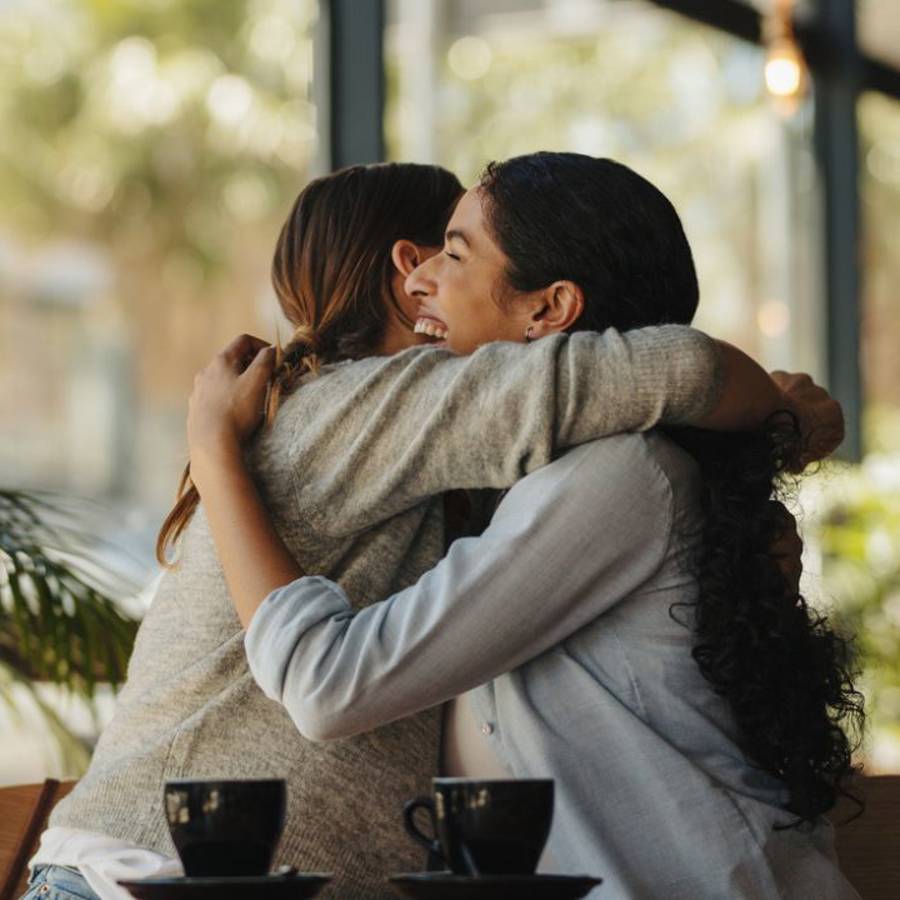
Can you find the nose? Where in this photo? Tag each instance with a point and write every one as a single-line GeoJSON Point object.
{"type": "Point", "coordinates": [419, 282]}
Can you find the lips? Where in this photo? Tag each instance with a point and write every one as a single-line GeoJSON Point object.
{"type": "Point", "coordinates": [431, 327]}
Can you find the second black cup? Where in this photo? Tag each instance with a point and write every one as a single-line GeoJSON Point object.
{"type": "Point", "coordinates": [486, 827]}
{"type": "Point", "coordinates": [226, 828]}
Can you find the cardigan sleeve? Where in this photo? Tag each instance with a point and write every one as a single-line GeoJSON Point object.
{"type": "Point", "coordinates": [426, 421]}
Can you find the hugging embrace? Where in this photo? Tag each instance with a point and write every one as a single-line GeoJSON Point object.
{"type": "Point", "coordinates": [495, 510]}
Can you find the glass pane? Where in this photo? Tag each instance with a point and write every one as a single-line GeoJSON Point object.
{"type": "Point", "coordinates": [878, 23]}
{"type": "Point", "coordinates": [681, 103]}
{"type": "Point", "coordinates": [858, 508]}
{"type": "Point", "coordinates": [148, 154]}
{"type": "Point", "coordinates": [879, 120]}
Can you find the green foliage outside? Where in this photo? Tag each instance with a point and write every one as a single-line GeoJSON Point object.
{"type": "Point", "coordinates": [171, 134]}
{"type": "Point", "coordinates": [153, 127]}
{"type": "Point", "coordinates": [175, 133]}
{"type": "Point", "coordinates": [60, 622]}
{"type": "Point", "coordinates": [854, 528]}
{"type": "Point", "coordinates": [681, 104]}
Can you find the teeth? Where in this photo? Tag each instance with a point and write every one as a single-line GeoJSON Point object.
{"type": "Point", "coordinates": [432, 329]}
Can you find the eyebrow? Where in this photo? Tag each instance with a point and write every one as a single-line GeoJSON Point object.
{"type": "Point", "coordinates": [456, 234]}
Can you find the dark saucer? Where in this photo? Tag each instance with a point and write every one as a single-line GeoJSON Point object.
{"type": "Point", "coordinates": [264, 887]}
{"type": "Point", "coordinates": [446, 886]}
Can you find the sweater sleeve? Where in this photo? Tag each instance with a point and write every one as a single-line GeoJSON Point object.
{"type": "Point", "coordinates": [426, 421]}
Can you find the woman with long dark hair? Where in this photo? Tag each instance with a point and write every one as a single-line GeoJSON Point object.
{"type": "Point", "coordinates": [632, 631]}
{"type": "Point", "coordinates": [353, 469]}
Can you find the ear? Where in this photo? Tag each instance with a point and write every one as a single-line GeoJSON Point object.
{"type": "Point", "coordinates": [561, 306]}
{"type": "Point", "coordinates": [406, 256]}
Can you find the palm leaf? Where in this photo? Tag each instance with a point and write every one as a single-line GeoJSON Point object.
{"type": "Point", "coordinates": [61, 618]}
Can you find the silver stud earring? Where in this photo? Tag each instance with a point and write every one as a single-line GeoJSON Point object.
{"type": "Point", "coordinates": [529, 337]}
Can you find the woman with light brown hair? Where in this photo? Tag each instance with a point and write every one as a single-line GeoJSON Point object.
{"type": "Point", "coordinates": [626, 625]}
{"type": "Point", "coordinates": [368, 432]}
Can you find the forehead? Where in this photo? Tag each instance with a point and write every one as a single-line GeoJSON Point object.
{"type": "Point", "coordinates": [468, 215]}
{"type": "Point", "coordinates": [468, 218]}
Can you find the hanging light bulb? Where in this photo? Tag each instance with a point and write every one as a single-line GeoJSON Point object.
{"type": "Point", "coordinates": [785, 70]}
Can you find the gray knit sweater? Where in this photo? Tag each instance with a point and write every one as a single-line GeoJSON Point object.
{"type": "Point", "coordinates": [352, 471]}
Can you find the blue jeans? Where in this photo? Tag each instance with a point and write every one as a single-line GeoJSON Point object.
{"type": "Point", "coordinates": [58, 883]}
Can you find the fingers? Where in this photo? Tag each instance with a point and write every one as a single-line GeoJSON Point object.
{"type": "Point", "coordinates": [793, 381]}
{"type": "Point", "coordinates": [827, 432]}
{"type": "Point", "coordinates": [261, 368]}
{"type": "Point", "coordinates": [242, 351]}
{"type": "Point", "coordinates": [819, 415]}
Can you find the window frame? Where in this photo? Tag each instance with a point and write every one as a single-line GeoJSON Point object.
{"type": "Point", "coordinates": [352, 41]}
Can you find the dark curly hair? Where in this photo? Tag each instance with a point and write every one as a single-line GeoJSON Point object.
{"type": "Point", "coordinates": [786, 674]}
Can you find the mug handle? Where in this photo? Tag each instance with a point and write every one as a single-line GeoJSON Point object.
{"type": "Point", "coordinates": [431, 844]}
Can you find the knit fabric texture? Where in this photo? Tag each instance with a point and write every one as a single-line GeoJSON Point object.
{"type": "Point", "coordinates": [353, 471]}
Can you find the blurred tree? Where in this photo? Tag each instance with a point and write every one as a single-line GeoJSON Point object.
{"type": "Point", "coordinates": [681, 104]}
{"type": "Point", "coordinates": [879, 120]}
{"type": "Point", "coordinates": [174, 135]}
{"type": "Point", "coordinates": [855, 525]}
{"type": "Point", "coordinates": [167, 137]}
{"type": "Point", "coordinates": [177, 115]}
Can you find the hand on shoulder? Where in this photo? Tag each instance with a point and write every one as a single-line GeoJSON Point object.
{"type": "Point", "coordinates": [227, 402]}
{"type": "Point", "coordinates": [819, 416]}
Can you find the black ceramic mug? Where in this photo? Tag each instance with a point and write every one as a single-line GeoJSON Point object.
{"type": "Point", "coordinates": [225, 828]}
{"type": "Point", "coordinates": [486, 827]}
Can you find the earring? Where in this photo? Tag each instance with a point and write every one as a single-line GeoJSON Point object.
{"type": "Point", "coordinates": [529, 337]}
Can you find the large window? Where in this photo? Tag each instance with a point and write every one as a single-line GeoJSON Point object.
{"type": "Point", "coordinates": [148, 153]}
{"type": "Point", "coordinates": [879, 119]}
{"type": "Point", "coordinates": [684, 105]}
{"type": "Point", "coordinates": [681, 103]}
{"type": "Point", "coordinates": [878, 22]}
{"type": "Point", "coordinates": [858, 510]}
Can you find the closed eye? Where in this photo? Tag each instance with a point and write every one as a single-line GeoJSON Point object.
{"type": "Point", "coordinates": [451, 255]}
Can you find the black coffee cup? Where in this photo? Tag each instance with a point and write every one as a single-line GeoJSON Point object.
{"type": "Point", "coordinates": [226, 828]}
{"type": "Point", "coordinates": [486, 827]}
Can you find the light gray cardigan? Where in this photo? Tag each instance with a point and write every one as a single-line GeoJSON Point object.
{"type": "Point", "coordinates": [352, 471]}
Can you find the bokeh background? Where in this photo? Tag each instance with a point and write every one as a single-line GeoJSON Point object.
{"type": "Point", "coordinates": [149, 150]}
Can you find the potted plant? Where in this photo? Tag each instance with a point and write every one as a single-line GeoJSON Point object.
{"type": "Point", "coordinates": [61, 621]}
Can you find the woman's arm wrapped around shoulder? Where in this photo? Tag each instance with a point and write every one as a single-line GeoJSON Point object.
{"type": "Point", "coordinates": [484, 420]}
{"type": "Point", "coordinates": [424, 421]}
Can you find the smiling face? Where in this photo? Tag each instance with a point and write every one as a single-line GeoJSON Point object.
{"type": "Point", "coordinates": [457, 289]}
{"type": "Point", "coordinates": [402, 309]}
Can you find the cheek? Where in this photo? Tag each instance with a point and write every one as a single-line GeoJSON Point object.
{"type": "Point", "coordinates": [453, 289]}
{"type": "Point", "coordinates": [469, 291]}
{"type": "Point", "coordinates": [408, 304]}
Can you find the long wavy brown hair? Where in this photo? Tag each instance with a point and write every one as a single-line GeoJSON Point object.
{"type": "Point", "coordinates": [331, 272]}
